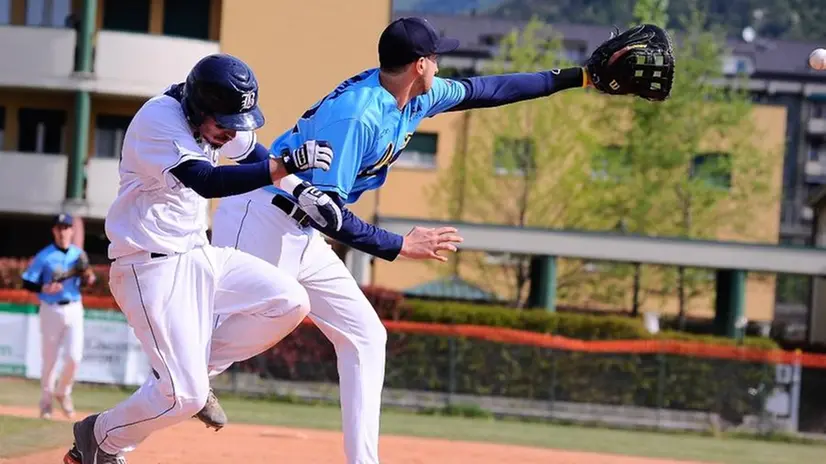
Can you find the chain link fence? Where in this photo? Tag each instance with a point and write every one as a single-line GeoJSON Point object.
{"type": "Point", "coordinates": [437, 371]}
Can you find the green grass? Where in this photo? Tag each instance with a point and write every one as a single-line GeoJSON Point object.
{"type": "Point", "coordinates": [729, 450]}
{"type": "Point", "coordinates": [22, 436]}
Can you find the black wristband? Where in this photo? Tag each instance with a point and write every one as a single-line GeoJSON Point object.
{"type": "Point", "coordinates": [568, 78]}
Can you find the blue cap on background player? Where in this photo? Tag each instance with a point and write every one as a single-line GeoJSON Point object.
{"type": "Point", "coordinates": [406, 40]}
{"type": "Point", "coordinates": [63, 220]}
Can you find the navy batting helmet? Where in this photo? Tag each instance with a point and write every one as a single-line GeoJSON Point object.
{"type": "Point", "coordinates": [224, 87]}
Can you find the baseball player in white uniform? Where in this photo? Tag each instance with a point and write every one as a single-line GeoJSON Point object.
{"type": "Point", "coordinates": [57, 274]}
{"type": "Point", "coordinates": [368, 119]}
{"type": "Point", "coordinates": [167, 279]}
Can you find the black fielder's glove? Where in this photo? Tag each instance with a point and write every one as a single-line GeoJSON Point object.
{"type": "Point", "coordinates": [639, 61]}
{"type": "Point", "coordinates": [77, 270]}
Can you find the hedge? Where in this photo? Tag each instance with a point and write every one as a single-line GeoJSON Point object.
{"type": "Point", "coordinates": [423, 362]}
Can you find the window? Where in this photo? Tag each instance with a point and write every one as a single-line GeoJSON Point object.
{"type": "Point", "coordinates": [126, 15]}
{"type": "Point", "coordinates": [420, 151]}
{"type": "Point", "coordinates": [41, 131]}
{"type": "Point", "coordinates": [109, 131]}
{"type": "Point", "coordinates": [513, 155]}
{"type": "Point", "coordinates": [186, 18]}
{"type": "Point", "coordinates": [2, 128]}
{"type": "Point", "coordinates": [818, 110]}
{"type": "Point", "coordinates": [815, 146]}
{"type": "Point", "coordinates": [5, 11]}
{"type": "Point", "coordinates": [47, 13]}
{"type": "Point", "coordinates": [715, 168]}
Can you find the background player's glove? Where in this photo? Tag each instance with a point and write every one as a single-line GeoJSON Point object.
{"type": "Point", "coordinates": [319, 206]}
{"type": "Point", "coordinates": [311, 154]}
{"type": "Point", "coordinates": [78, 269]}
{"type": "Point", "coordinates": [639, 61]}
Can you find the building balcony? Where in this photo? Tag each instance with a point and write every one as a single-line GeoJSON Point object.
{"type": "Point", "coordinates": [102, 185]}
{"type": "Point", "coordinates": [125, 64]}
{"type": "Point", "coordinates": [40, 57]}
{"type": "Point", "coordinates": [34, 183]}
{"type": "Point", "coordinates": [142, 64]}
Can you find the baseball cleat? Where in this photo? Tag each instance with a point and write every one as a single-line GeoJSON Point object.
{"type": "Point", "coordinates": [212, 414]}
{"type": "Point", "coordinates": [66, 405]}
{"type": "Point", "coordinates": [45, 410]}
{"type": "Point", "coordinates": [85, 449]}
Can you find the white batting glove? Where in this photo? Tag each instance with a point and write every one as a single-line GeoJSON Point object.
{"type": "Point", "coordinates": [319, 206]}
{"type": "Point", "coordinates": [310, 155]}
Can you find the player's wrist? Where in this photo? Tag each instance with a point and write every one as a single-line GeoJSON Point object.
{"type": "Point", "coordinates": [277, 169]}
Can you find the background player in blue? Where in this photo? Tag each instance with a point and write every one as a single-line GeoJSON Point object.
{"type": "Point", "coordinates": [61, 312]}
{"type": "Point", "coordinates": [368, 119]}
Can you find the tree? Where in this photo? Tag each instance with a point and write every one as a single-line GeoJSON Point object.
{"type": "Point", "coordinates": [523, 164]}
{"type": "Point", "coordinates": [689, 166]}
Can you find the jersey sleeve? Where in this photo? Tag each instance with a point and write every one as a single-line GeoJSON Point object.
{"type": "Point", "coordinates": [350, 139]}
{"type": "Point", "coordinates": [444, 94]}
{"type": "Point", "coordinates": [240, 147]}
{"type": "Point", "coordinates": [164, 141]}
{"type": "Point", "coordinates": [34, 272]}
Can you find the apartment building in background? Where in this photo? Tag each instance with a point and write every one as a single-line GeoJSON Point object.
{"type": "Point", "coordinates": [74, 72]}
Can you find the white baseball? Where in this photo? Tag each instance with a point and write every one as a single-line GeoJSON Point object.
{"type": "Point", "coordinates": [817, 59]}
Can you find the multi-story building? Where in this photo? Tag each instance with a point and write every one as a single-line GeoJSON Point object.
{"type": "Point", "coordinates": [73, 72]}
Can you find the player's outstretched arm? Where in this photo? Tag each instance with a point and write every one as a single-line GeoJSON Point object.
{"type": "Point", "coordinates": [639, 62]}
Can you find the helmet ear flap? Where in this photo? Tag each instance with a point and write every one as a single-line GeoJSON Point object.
{"type": "Point", "coordinates": [194, 114]}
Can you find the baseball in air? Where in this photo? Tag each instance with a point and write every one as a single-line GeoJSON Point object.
{"type": "Point", "coordinates": [817, 59]}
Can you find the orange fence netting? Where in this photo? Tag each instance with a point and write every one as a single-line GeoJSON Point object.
{"type": "Point", "coordinates": [543, 340]}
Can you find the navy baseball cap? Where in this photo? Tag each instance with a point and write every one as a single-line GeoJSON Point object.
{"type": "Point", "coordinates": [63, 220]}
{"type": "Point", "coordinates": [406, 40]}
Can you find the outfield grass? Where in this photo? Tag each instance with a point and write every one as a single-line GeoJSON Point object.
{"type": "Point", "coordinates": [649, 444]}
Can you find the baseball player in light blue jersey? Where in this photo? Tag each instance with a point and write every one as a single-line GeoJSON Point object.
{"type": "Point", "coordinates": [368, 120]}
{"type": "Point", "coordinates": [61, 312]}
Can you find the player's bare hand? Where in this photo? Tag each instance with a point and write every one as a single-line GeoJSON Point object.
{"type": "Point", "coordinates": [425, 243]}
{"type": "Point", "coordinates": [52, 287]}
{"type": "Point", "coordinates": [311, 154]}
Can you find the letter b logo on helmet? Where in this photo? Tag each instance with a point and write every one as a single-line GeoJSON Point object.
{"type": "Point", "coordinates": [223, 87]}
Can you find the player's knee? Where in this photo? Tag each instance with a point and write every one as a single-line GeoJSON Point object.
{"type": "Point", "coordinates": [194, 399]}
{"type": "Point", "coordinates": [373, 335]}
{"type": "Point", "coordinates": [294, 302]}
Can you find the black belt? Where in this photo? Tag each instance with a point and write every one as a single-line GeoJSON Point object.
{"type": "Point", "coordinates": [157, 255]}
{"type": "Point", "coordinates": [291, 209]}
{"type": "Point", "coordinates": [64, 302]}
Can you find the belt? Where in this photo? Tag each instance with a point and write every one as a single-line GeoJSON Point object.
{"type": "Point", "coordinates": [291, 209]}
{"type": "Point", "coordinates": [157, 255]}
{"type": "Point", "coordinates": [64, 302]}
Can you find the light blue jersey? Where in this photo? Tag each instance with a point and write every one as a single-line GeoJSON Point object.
{"type": "Point", "coordinates": [367, 131]}
{"type": "Point", "coordinates": [49, 261]}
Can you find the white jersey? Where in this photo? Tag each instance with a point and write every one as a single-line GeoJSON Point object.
{"type": "Point", "coordinates": [153, 211]}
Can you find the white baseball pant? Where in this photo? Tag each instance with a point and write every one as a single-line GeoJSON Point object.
{"type": "Point", "coordinates": [171, 303]}
{"type": "Point", "coordinates": [338, 307]}
{"type": "Point", "coordinates": [61, 326]}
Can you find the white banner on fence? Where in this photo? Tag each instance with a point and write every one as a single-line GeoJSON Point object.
{"type": "Point", "coordinates": [111, 352]}
{"type": "Point", "coordinates": [13, 333]}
